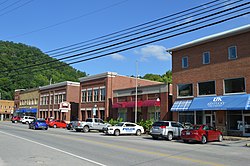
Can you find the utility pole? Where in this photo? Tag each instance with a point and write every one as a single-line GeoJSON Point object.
{"type": "Point", "coordinates": [136, 85]}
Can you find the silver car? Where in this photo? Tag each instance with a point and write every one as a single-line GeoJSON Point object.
{"type": "Point", "coordinates": [166, 129]}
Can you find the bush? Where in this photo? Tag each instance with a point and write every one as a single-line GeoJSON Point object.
{"type": "Point", "coordinates": [114, 122]}
{"type": "Point", "coordinates": [146, 125]}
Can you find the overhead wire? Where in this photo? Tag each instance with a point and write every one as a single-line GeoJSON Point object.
{"type": "Point", "coordinates": [137, 26]}
{"type": "Point", "coordinates": [154, 37]}
{"type": "Point", "coordinates": [56, 60]}
{"type": "Point", "coordinates": [133, 39]}
{"type": "Point", "coordinates": [150, 28]}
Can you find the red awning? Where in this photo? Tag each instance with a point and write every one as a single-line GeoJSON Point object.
{"type": "Point", "coordinates": [119, 105]}
{"type": "Point", "coordinates": [130, 104]}
{"type": "Point", "coordinates": [151, 103]}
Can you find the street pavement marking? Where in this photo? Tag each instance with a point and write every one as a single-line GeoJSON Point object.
{"type": "Point", "coordinates": [145, 151]}
{"type": "Point", "coordinates": [127, 148]}
{"type": "Point", "coordinates": [56, 149]}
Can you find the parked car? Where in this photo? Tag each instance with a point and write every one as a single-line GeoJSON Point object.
{"type": "Point", "coordinates": [27, 119]}
{"type": "Point", "coordinates": [15, 119]}
{"type": "Point", "coordinates": [166, 129]}
{"type": "Point", "coordinates": [90, 124]}
{"type": "Point", "coordinates": [125, 128]}
{"type": "Point", "coordinates": [58, 124]}
{"type": "Point", "coordinates": [38, 124]}
{"type": "Point", "coordinates": [69, 126]}
{"type": "Point", "coordinates": [201, 133]}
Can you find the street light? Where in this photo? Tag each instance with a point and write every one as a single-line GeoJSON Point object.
{"type": "Point", "coordinates": [94, 110]}
{"type": "Point", "coordinates": [136, 85]}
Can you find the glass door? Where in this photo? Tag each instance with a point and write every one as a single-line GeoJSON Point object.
{"type": "Point", "coordinates": [246, 125]}
{"type": "Point", "coordinates": [208, 120]}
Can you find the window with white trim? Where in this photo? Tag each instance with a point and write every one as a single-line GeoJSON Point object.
{"type": "Point", "coordinates": [84, 96]}
{"type": "Point", "coordinates": [235, 85]}
{"type": "Point", "coordinates": [232, 52]}
{"type": "Point", "coordinates": [206, 57]}
{"type": "Point", "coordinates": [206, 88]}
{"type": "Point", "coordinates": [185, 90]}
{"type": "Point", "coordinates": [185, 62]}
{"type": "Point", "coordinates": [89, 95]}
{"type": "Point", "coordinates": [102, 94]}
{"type": "Point", "coordinates": [96, 94]}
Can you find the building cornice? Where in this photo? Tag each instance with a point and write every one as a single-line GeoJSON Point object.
{"type": "Point", "coordinates": [98, 76]}
{"type": "Point", "coordinates": [210, 38]}
{"type": "Point", "coordinates": [66, 83]}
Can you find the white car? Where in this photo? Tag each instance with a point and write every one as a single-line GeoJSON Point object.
{"type": "Point", "coordinates": [125, 128]}
{"type": "Point", "coordinates": [27, 119]}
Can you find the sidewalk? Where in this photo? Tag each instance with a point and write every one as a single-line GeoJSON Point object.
{"type": "Point", "coordinates": [233, 138]}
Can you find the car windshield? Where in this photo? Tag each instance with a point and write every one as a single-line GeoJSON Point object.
{"type": "Point", "coordinates": [41, 121]}
{"type": "Point", "coordinates": [119, 124]}
{"type": "Point", "coordinates": [194, 127]}
{"type": "Point", "coordinates": [161, 124]}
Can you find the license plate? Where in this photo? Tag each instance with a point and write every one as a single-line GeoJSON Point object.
{"type": "Point", "coordinates": [187, 133]}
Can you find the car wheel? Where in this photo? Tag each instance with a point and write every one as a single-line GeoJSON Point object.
{"type": "Point", "coordinates": [117, 132]}
{"type": "Point", "coordinates": [138, 132]}
{"type": "Point", "coordinates": [86, 129]}
{"type": "Point", "coordinates": [27, 122]}
{"type": "Point", "coordinates": [54, 126]}
{"type": "Point", "coordinates": [220, 138]}
{"type": "Point", "coordinates": [46, 128]}
{"type": "Point", "coordinates": [203, 139]}
{"type": "Point", "coordinates": [169, 136]}
{"type": "Point", "coordinates": [34, 128]}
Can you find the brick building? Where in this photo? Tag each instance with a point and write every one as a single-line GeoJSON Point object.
{"type": "Point", "coordinates": [96, 93]}
{"type": "Point", "coordinates": [153, 103]}
{"type": "Point", "coordinates": [6, 109]}
{"type": "Point", "coordinates": [211, 81]}
{"type": "Point", "coordinates": [26, 102]}
{"type": "Point", "coordinates": [59, 101]}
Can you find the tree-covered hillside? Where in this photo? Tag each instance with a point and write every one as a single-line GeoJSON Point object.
{"type": "Point", "coordinates": [13, 74]}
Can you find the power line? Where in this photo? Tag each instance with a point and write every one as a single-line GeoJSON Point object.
{"type": "Point", "coordinates": [112, 45]}
{"type": "Point", "coordinates": [143, 30]}
{"type": "Point", "coordinates": [190, 9]}
{"type": "Point", "coordinates": [121, 50]}
{"type": "Point", "coordinates": [156, 40]}
{"type": "Point", "coordinates": [68, 20]}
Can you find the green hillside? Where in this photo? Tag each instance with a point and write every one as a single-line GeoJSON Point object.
{"type": "Point", "coordinates": [17, 56]}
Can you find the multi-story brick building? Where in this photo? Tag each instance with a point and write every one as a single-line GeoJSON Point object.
{"type": "Point", "coordinates": [153, 103]}
{"type": "Point", "coordinates": [26, 101]}
{"type": "Point", "coordinates": [6, 109]}
{"type": "Point", "coordinates": [96, 93]}
{"type": "Point", "coordinates": [59, 101]}
{"type": "Point", "coordinates": [211, 81]}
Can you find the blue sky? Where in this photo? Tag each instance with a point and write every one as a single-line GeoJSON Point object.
{"type": "Point", "coordinates": [51, 24]}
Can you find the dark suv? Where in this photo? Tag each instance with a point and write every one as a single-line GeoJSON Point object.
{"type": "Point", "coordinates": [166, 129]}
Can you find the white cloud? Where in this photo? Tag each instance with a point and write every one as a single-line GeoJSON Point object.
{"type": "Point", "coordinates": [156, 51]}
{"type": "Point", "coordinates": [117, 56]}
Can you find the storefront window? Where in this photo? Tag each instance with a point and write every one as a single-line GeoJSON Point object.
{"type": "Point", "coordinates": [185, 90]}
{"type": "Point", "coordinates": [122, 114]}
{"type": "Point", "coordinates": [234, 120]}
{"type": "Point", "coordinates": [186, 117]}
{"type": "Point", "coordinates": [199, 117]}
{"type": "Point", "coordinates": [206, 88]}
{"type": "Point", "coordinates": [236, 85]}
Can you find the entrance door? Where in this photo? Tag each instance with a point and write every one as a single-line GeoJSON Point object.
{"type": "Point", "coordinates": [246, 125]}
{"type": "Point", "coordinates": [208, 120]}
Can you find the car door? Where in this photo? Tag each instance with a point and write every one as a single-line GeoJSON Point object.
{"type": "Point", "coordinates": [209, 132]}
{"type": "Point", "coordinates": [101, 124]}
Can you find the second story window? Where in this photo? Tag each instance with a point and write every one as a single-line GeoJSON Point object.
{"type": "Point", "coordinates": [84, 96]}
{"type": "Point", "coordinates": [185, 90]}
{"type": "Point", "coordinates": [103, 94]}
{"type": "Point", "coordinates": [96, 94]}
{"type": "Point", "coordinates": [206, 58]}
{"type": "Point", "coordinates": [184, 62]}
{"type": "Point", "coordinates": [235, 85]}
{"type": "Point", "coordinates": [89, 95]}
{"type": "Point", "coordinates": [206, 88]}
{"type": "Point", "coordinates": [232, 52]}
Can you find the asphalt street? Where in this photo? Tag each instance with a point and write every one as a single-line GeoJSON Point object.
{"type": "Point", "coordinates": [23, 146]}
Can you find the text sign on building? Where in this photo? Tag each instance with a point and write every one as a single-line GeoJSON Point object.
{"type": "Point", "coordinates": [64, 106]}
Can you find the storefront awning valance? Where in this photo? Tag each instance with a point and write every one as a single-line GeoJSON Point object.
{"type": "Point", "coordinates": [28, 110]}
{"type": "Point", "coordinates": [119, 105]}
{"type": "Point", "coordinates": [181, 105]}
{"type": "Point", "coordinates": [230, 102]}
{"type": "Point", "coordinates": [151, 103]}
{"type": "Point", "coordinates": [131, 104]}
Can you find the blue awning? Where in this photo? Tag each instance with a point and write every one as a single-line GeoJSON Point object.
{"type": "Point", "coordinates": [230, 102]}
{"type": "Point", "coordinates": [181, 105]}
{"type": "Point", "coordinates": [27, 110]}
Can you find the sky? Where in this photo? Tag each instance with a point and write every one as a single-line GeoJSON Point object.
{"type": "Point", "coordinates": [52, 24]}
